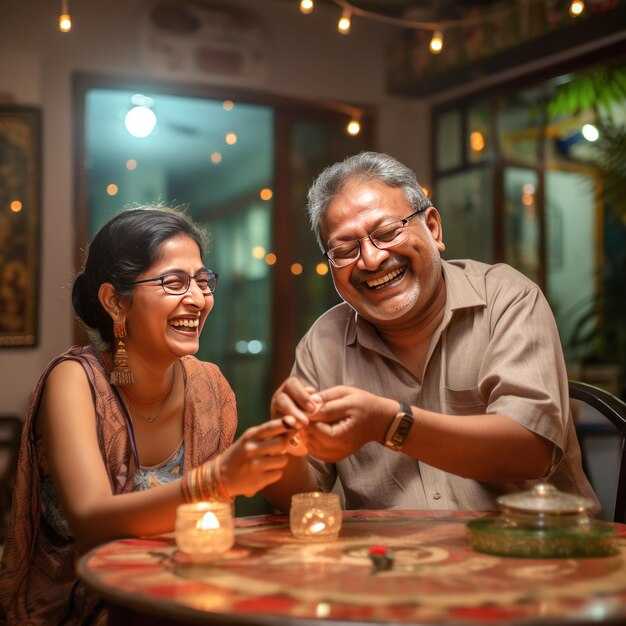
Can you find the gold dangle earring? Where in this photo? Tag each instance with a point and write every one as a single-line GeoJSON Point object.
{"type": "Point", "coordinates": [121, 373]}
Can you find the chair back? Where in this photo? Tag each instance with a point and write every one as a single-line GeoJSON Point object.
{"type": "Point", "coordinates": [10, 431]}
{"type": "Point", "coordinates": [614, 410]}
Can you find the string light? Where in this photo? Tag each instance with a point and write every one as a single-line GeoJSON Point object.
{"type": "Point", "coordinates": [343, 26]}
{"type": "Point", "coordinates": [576, 8]}
{"type": "Point", "coordinates": [65, 21]}
{"type": "Point", "coordinates": [503, 10]}
{"type": "Point", "coordinates": [436, 43]}
{"type": "Point", "coordinates": [353, 128]}
{"type": "Point", "coordinates": [306, 6]}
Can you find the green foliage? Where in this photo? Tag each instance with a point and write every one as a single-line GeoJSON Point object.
{"type": "Point", "coordinates": [597, 89]}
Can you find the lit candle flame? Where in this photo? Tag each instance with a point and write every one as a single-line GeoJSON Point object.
{"type": "Point", "coordinates": [318, 527]}
{"type": "Point", "coordinates": [208, 521]}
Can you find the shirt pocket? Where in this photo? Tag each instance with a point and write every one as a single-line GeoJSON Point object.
{"type": "Point", "coordinates": [463, 401]}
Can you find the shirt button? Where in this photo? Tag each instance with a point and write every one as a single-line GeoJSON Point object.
{"type": "Point", "coordinates": [437, 495]}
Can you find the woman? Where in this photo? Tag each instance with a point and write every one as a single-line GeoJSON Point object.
{"type": "Point", "coordinates": [113, 426]}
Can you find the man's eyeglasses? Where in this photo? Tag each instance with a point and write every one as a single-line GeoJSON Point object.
{"type": "Point", "coordinates": [384, 237]}
{"type": "Point", "coordinates": [177, 283]}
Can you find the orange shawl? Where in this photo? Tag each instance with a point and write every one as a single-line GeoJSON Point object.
{"type": "Point", "coordinates": [37, 581]}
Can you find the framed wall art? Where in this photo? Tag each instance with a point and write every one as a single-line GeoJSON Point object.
{"type": "Point", "coordinates": [20, 217]}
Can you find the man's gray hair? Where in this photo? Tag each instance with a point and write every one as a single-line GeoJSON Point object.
{"type": "Point", "coordinates": [363, 167]}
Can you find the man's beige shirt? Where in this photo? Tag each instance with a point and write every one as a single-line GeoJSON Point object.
{"type": "Point", "coordinates": [497, 351]}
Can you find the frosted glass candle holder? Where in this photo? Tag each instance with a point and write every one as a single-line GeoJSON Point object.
{"type": "Point", "coordinates": [205, 530]}
{"type": "Point", "coordinates": [315, 516]}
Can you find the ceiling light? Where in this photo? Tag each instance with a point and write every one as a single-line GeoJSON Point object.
{"type": "Point", "coordinates": [140, 121]}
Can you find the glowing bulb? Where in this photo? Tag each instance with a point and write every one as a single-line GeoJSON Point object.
{"type": "Point", "coordinates": [228, 105]}
{"type": "Point", "coordinates": [477, 141]}
{"type": "Point", "coordinates": [353, 128]}
{"type": "Point", "coordinates": [112, 189]}
{"type": "Point", "coordinates": [343, 26]}
{"type": "Point", "coordinates": [131, 164]}
{"type": "Point", "coordinates": [296, 269]}
{"type": "Point", "coordinates": [140, 121]}
{"type": "Point", "coordinates": [65, 22]}
{"type": "Point", "coordinates": [576, 8]}
{"type": "Point", "coordinates": [426, 191]}
{"type": "Point", "coordinates": [306, 6]}
{"type": "Point", "coordinates": [231, 139]}
{"type": "Point", "coordinates": [436, 43]}
{"type": "Point", "coordinates": [270, 258]}
{"type": "Point", "coordinates": [266, 194]}
{"type": "Point", "coordinates": [321, 269]}
{"type": "Point", "coordinates": [216, 157]}
{"type": "Point", "coordinates": [590, 132]}
{"type": "Point", "coordinates": [258, 252]}
{"type": "Point", "coordinates": [16, 206]}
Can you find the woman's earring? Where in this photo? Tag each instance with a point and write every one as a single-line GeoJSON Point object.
{"type": "Point", "coordinates": [121, 373]}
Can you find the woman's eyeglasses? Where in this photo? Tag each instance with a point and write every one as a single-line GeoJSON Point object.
{"type": "Point", "coordinates": [177, 283]}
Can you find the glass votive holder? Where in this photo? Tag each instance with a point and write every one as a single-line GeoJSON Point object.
{"type": "Point", "coordinates": [205, 530]}
{"type": "Point", "coordinates": [315, 516]}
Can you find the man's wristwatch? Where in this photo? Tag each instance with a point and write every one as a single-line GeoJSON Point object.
{"type": "Point", "coordinates": [399, 428]}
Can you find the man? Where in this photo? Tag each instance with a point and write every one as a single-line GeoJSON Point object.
{"type": "Point", "coordinates": [435, 384]}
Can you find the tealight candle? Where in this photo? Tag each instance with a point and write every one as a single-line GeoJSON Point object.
{"type": "Point", "coordinates": [205, 530]}
{"type": "Point", "coordinates": [315, 516]}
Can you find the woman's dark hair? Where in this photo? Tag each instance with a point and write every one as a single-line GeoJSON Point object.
{"type": "Point", "coordinates": [122, 249]}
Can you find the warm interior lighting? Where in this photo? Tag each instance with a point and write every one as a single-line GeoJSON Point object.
{"type": "Point", "coordinates": [16, 206]}
{"type": "Point", "coordinates": [216, 157]}
{"type": "Point", "coordinates": [208, 520]}
{"type": "Point", "coordinates": [477, 141]}
{"type": "Point", "coordinates": [296, 269]}
{"type": "Point", "coordinates": [353, 128]}
{"type": "Point", "coordinates": [436, 43]}
{"type": "Point", "coordinates": [228, 105]}
{"type": "Point", "coordinates": [321, 269]}
{"type": "Point", "coordinates": [426, 191]}
{"type": "Point", "coordinates": [270, 258]}
{"type": "Point", "coordinates": [343, 26]}
{"type": "Point", "coordinates": [266, 194]}
{"type": "Point", "coordinates": [258, 252]}
{"type": "Point", "coordinates": [306, 6]}
{"type": "Point", "coordinates": [231, 139]}
{"type": "Point", "coordinates": [112, 189]}
{"type": "Point", "coordinates": [131, 164]}
{"type": "Point", "coordinates": [576, 8]}
{"type": "Point", "coordinates": [65, 21]}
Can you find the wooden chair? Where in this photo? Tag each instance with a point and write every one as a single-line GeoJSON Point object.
{"type": "Point", "coordinates": [614, 410]}
{"type": "Point", "coordinates": [10, 431]}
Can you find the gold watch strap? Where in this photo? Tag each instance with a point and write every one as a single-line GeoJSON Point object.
{"type": "Point", "coordinates": [399, 428]}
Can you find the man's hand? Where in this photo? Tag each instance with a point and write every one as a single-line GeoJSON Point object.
{"type": "Point", "coordinates": [294, 403]}
{"type": "Point", "coordinates": [347, 419]}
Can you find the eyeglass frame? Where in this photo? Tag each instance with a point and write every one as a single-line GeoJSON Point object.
{"type": "Point", "coordinates": [162, 277]}
{"type": "Point", "coordinates": [404, 220]}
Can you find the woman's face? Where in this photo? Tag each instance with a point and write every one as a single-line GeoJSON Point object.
{"type": "Point", "coordinates": [162, 327]}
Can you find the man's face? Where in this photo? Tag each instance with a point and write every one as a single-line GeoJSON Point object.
{"type": "Point", "coordinates": [386, 287]}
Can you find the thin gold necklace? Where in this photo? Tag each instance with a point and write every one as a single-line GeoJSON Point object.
{"type": "Point", "coordinates": [167, 392]}
{"type": "Point", "coordinates": [151, 418]}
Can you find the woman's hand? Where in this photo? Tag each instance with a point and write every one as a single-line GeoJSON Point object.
{"type": "Point", "coordinates": [256, 459]}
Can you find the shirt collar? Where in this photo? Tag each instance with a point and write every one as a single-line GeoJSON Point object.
{"type": "Point", "coordinates": [462, 291]}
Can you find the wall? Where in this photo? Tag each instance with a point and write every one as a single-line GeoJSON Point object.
{"type": "Point", "coordinates": [306, 58]}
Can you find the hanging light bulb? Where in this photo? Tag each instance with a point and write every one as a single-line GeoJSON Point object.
{"type": "Point", "coordinates": [353, 128]}
{"type": "Point", "coordinates": [306, 6]}
{"type": "Point", "coordinates": [65, 21]}
{"type": "Point", "coordinates": [576, 8]}
{"type": "Point", "coordinates": [436, 43]}
{"type": "Point", "coordinates": [343, 26]}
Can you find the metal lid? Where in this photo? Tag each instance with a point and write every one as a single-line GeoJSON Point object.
{"type": "Point", "coordinates": [544, 498]}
